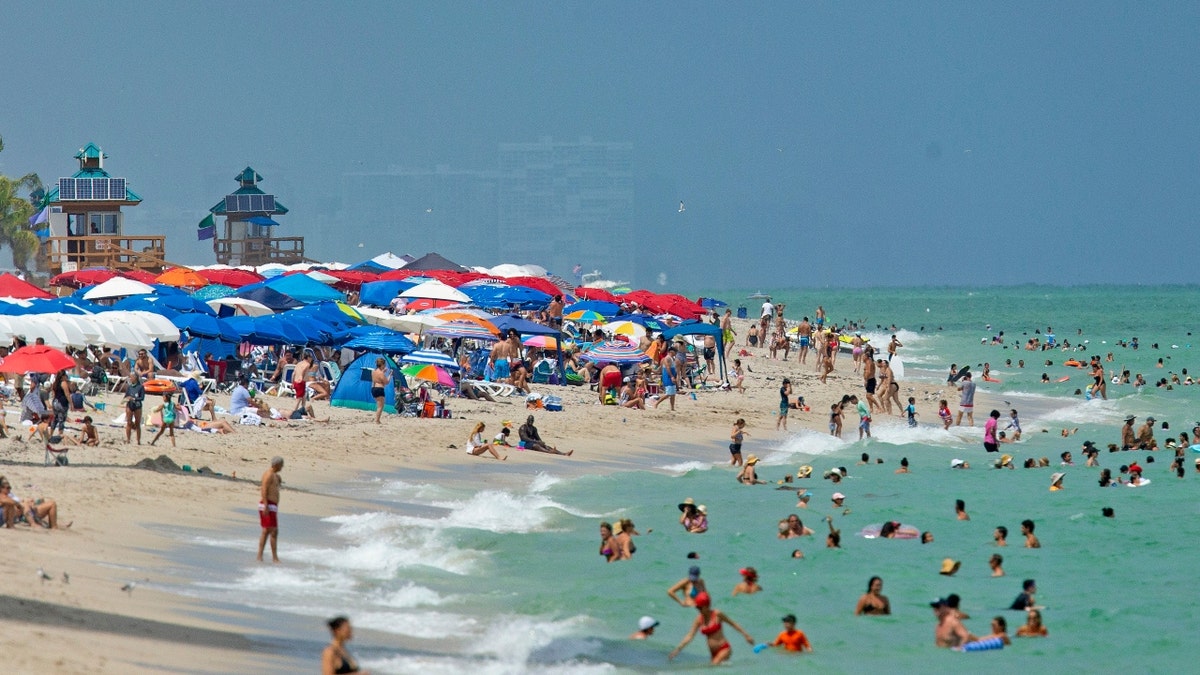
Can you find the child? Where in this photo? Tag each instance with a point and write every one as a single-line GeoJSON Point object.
{"type": "Point", "coordinates": [88, 435]}
{"type": "Point", "coordinates": [835, 420]}
{"type": "Point", "coordinates": [944, 413]}
{"type": "Point", "coordinates": [735, 448]}
{"type": "Point", "coordinates": [911, 411]}
{"type": "Point", "coordinates": [1014, 424]}
{"type": "Point", "coordinates": [791, 639]}
{"type": "Point", "coordinates": [167, 408]}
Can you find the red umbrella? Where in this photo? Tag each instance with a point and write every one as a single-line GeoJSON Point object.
{"type": "Point", "coordinates": [13, 287]}
{"type": "Point", "coordinates": [350, 279]}
{"type": "Point", "coordinates": [536, 283]}
{"type": "Point", "coordinates": [36, 359]}
{"type": "Point", "coordinates": [233, 278]}
{"type": "Point", "coordinates": [140, 275]}
{"type": "Point", "coordinates": [586, 293]}
{"type": "Point", "coordinates": [81, 278]}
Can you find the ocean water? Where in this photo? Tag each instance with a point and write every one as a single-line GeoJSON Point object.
{"type": "Point", "coordinates": [450, 578]}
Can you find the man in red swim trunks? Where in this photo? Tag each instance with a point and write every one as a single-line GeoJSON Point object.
{"type": "Point", "coordinates": [268, 509]}
{"type": "Point", "coordinates": [300, 377]}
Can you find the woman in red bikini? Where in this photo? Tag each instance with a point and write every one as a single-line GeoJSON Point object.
{"type": "Point", "coordinates": [709, 624]}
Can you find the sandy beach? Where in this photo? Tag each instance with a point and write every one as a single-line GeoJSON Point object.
{"type": "Point", "coordinates": [121, 513]}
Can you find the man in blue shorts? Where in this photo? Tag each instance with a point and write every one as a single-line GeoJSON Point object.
{"type": "Point", "coordinates": [670, 378]}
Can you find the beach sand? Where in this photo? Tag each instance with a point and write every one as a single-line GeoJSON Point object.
{"type": "Point", "coordinates": [123, 515]}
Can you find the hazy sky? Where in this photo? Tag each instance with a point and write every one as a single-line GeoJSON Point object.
{"type": "Point", "coordinates": [814, 144]}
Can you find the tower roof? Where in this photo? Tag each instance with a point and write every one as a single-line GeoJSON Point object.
{"type": "Point", "coordinates": [248, 181]}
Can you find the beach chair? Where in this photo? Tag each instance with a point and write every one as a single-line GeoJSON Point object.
{"type": "Point", "coordinates": [494, 389]}
{"type": "Point", "coordinates": [542, 372]}
{"type": "Point", "coordinates": [56, 456]}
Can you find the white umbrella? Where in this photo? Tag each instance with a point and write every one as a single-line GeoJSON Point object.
{"type": "Point", "coordinates": [117, 287]}
{"type": "Point", "coordinates": [155, 326]}
{"type": "Point", "coordinates": [318, 275]}
{"type": "Point", "coordinates": [241, 306]}
{"type": "Point", "coordinates": [53, 330]}
{"type": "Point", "coordinates": [405, 323]}
{"type": "Point", "coordinates": [430, 356]}
{"type": "Point", "coordinates": [115, 332]}
{"type": "Point", "coordinates": [436, 290]}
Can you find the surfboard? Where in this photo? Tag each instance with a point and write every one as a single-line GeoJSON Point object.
{"type": "Point", "coordinates": [959, 375]}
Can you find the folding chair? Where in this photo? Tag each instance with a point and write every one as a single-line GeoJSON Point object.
{"type": "Point", "coordinates": [56, 456]}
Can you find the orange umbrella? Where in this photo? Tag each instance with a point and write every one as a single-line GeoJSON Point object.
{"type": "Point", "coordinates": [182, 277]}
{"type": "Point", "coordinates": [463, 316]}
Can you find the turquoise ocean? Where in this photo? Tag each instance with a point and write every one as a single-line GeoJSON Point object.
{"type": "Point", "coordinates": [490, 574]}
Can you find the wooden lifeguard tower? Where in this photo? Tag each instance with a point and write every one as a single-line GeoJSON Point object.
{"type": "Point", "coordinates": [86, 225]}
{"type": "Point", "coordinates": [249, 224]}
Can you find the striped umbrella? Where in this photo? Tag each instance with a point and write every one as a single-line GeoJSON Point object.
{"type": "Point", "coordinates": [429, 373]}
{"type": "Point", "coordinates": [462, 329]}
{"type": "Point", "coordinates": [613, 351]}
{"type": "Point", "coordinates": [541, 342]}
{"type": "Point", "coordinates": [430, 356]}
{"type": "Point", "coordinates": [627, 328]}
{"type": "Point", "coordinates": [585, 316]}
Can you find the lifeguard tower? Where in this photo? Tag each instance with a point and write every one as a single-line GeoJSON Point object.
{"type": "Point", "coordinates": [86, 225]}
{"type": "Point", "coordinates": [249, 222]}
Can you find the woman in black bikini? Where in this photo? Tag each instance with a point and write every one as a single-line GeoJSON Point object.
{"type": "Point", "coordinates": [873, 602]}
{"type": "Point", "coordinates": [709, 623]}
{"type": "Point", "coordinates": [335, 659]}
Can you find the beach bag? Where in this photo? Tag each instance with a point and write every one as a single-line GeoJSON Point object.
{"type": "Point", "coordinates": [250, 419]}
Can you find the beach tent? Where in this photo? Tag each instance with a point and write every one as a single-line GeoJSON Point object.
{"type": "Point", "coordinates": [701, 328]}
{"type": "Point", "coordinates": [11, 286]}
{"type": "Point", "coordinates": [303, 288]}
{"type": "Point", "coordinates": [381, 293]}
{"type": "Point", "coordinates": [353, 389]}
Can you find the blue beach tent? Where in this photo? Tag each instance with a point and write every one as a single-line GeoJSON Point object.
{"type": "Point", "coordinates": [353, 389]}
{"type": "Point", "coordinates": [381, 293]}
{"type": "Point", "coordinates": [304, 288]}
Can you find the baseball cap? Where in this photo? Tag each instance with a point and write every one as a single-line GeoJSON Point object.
{"type": "Point", "coordinates": [646, 623]}
{"type": "Point", "coordinates": [837, 495]}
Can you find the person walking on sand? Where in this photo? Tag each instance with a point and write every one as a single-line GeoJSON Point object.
{"type": "Point", "coordinates": [268, 508]}
{"type": "Point", "coordinates": [785, 403]}
{"type": "Point", "coordinates": [804, 332]}
{"type": "Point", "coordinates": [966, 400]}
{"type": "Point", "coordinates": [135, 394]}
{"type": "Point", "coordinates": [167, 410]}
{"type": "Point", "coordinates": [379, 379]}
{"type": "Point", "coordinates": [670, 378]}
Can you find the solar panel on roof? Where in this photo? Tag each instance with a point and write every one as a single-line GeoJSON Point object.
{"type": "Point", "coordinates": [83, 188]}
{"type": "Point", "coordinates": [269, 203]}
{"type": "Point", "coordinates": [255, 202]}
{"type": "Point", "coordinates": [99, 188]}
{"type": "Point", "coordinates": [66, 188]}
{"type": "Point", "coordinates": [116, 188]}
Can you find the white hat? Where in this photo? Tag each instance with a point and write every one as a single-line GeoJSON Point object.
{"type": "Point", "coordinates": [646, 623]}
{"type": "Point", "coordinates": [955, 463]}
{"type": "Point", "coordinates": [837, 495]}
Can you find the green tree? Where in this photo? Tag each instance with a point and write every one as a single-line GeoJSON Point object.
{"type": "Point", "coordinates": [15, 211]}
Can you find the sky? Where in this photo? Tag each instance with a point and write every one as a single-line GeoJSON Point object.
{"type": "Point", "coordinates": [815, 144]}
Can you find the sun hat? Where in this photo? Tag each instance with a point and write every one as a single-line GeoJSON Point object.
{"type": "Point", "coordinates": [950, 566]}
{"type": "Point", "coordinates": [702, 509]}
{"type": "Point", "coordinates": [1056, 478]}
{"type": "Point", "coordinates": [686, 503]}
{"type": "Point", "coordinates": [955, 463]}
{"type": "Point", "coordinates": [804, 471]}
{"type": "Point", "coordinates": [646, 623]}
{"type": "Point", "coordinates": [1131, 418]}
{"type": "Point", "coordinates": [1005, 459]}
{"type": "Point", "coordinates": [196, 375]}
{"type": "Point", "coordinates": [752, 459]}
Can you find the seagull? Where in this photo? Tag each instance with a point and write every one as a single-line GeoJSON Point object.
{"type": "Point", "coordinates": [128, 588]}
{"type": "Point", "coordinates": [681, 209]}
{"type": "Point", "coordinates": [43, 576]}
{"type": "Point", "coordinates": [66, 578]}
{"type": "Point", "coordinates": [428, 210]}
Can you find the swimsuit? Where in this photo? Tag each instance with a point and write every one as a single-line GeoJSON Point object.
{"type": "Point", "coordinates": [871, 385]}
{"type": "Point", "coordinates": [711, 627]}
{"type": "Point", "coordinates": [804, 342]}
{"type": "Point", "coordinates": [268, 515]}
{"type": "Point", "coordinates": [377, 392]}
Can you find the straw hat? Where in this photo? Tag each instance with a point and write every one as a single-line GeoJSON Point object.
{"type": "Point", "coordinates": [196, 375]}
{"type": "Point", "coordinates": [804, 471]}
{"type": "Point", "coordinates": [702, 509]}
{"type": "Point", "coordinates": [686, 503]}
{"type": "Point", "coordinates": [752, 459]}
{"type": "Point", "coordinates": [1005, 460]}
{"type": "Point", "coordinates": [950, 566]}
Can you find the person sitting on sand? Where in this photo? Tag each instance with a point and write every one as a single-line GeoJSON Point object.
{"type": "Point", "coordinates": [1033, 626]}
{"type": "Point", "coordinates": [629, 397]}
{"type": "Point", "coordinates": [476, 445]}
{"type": "Point", "coordinates": [533, 440]}
{"type": "Point", "coordinates": [87, 434]}
{"type": "Point", "coordinates": [40, 512]}
{"type": "Point", "coordinates": [748, 475]}
{"type": "Point", "coordinates": [749, 584]}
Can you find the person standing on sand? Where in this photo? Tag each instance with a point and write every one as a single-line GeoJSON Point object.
{"type": "Point", "coordinates": [727, 332]}
{"type": "Point", "coordinates": [966, 400]}
{"type": "Point", "coordinates": [268, 508]}
{"type": "Point", "coordinates": [869, 382]}
{"type": "Point", "coordinates": [379, 379]}
{"type": "Point", "coordinates": [300, 380]}
{"type": "Point", "coordinates": [785, 397]}
{"type": "Point", "coordinates": [804, 332]}
{"type": "Point", "coordinates": [670, 378]}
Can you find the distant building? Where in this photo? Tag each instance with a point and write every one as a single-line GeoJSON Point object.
{"type": "Point", "coordinates": [84, 225]}
{"type": "Point", "coordinates": [249, 227]}
{"type": "Point", "coordinates": [562, 203]}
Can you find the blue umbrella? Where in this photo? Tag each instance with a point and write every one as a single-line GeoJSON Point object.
{"type": "Point", "coordinates": [267, 296]}
{"type": "Point", "coordinates": [242, 325]}
{"type": "Point", "coordinates": [204, 325]}
{"type": "Point", "coordinates": [494, 296]}
{"type": "Point", "coordinates": [164, 290]}
{"type": "Point", "coordinates": [270, 329]}
{"type": "Point", "coordinates": [712, 302]}
{"type": "Point", "coordinates": [379, 339]}
{"type": "Point", "coordinates": [155, 304]}
{"type": "Point", "coordinates": [431, 356]}
{"type": "Point", "coordinates": [213, 292]}
{"type": "Point", "coordinates": [381, 293]}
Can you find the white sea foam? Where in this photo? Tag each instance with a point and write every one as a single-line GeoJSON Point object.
{"type": "Point", "coordinates": [926, 434]}
{"type": "Point", "coordinates": [450, 665]}
{"type": "Point", "coordinates": [685, 467]}
{"type": "Point", "coordinates": [497, 511]}
{"type": "Point", "coordinates": [412, 491]}
{"type": "Point", "coordinates": [807, 443]}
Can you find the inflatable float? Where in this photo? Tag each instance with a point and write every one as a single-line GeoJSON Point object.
{"type": "Point", "coordinates": [902, 532]}
{"type": "Point", "coordinates": [159, 387]}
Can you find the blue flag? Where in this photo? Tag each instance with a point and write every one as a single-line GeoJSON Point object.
{"type": "Point", "coordinates": [208, 228]}
{"type": "Point", "coordinates": [40, 217]}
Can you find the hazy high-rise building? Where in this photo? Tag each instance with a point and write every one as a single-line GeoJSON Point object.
{"type": "Point", "coordinates": [563, 204]}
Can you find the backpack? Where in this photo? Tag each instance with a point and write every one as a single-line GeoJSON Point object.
{"type": "Point", "coordinates": [98, 375]}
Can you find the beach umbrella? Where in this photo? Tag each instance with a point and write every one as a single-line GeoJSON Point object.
{"type": "Point", "coordinates": [272, 330]}
{"type": "Point", "coordinates": [36, 359]}
{"type": "Point", "coordinates": [138, 275]}
{"type": "Point", "coordinates": [206, 326]}
{"type": "Point", "coordinates": [589, 293]}
{"type": "Point", "coordinates": [381, 293]}
{"type": "Point", "coordinates": [541, 342]}
{"type": "Point", "coordinates": [52, 332]}
{"type": "Point", "coordinates": [269, 297]}
{"type": "Point", "coordinates": [497, 296]}
{"type": "Point", "coordinates": [181, 277]}
{"type": "Point", "coordinates": [12, 286]}
{"type": "Point", "coordinates": [584, 316]}
{"type": "Point", "coordinates": [431, 356]}
{"type": "Point", "coordinates": [464, 329]}
{"type": "Point", "coordinates": [214, 291]}
{"type": "Point", "coordinates": [599, 306]}
{"type": "Point", "coordinates": [379, 339]}
{"type": "Point", "coordinates": [628, 329]}
{"type": "Point", "coordinates": [435, 290]}
{"type": "Point", "coordinates": [483, 319]}
{"type": "Point", "coordinates": [240, 306]}
{"type": "Point", "coordinates": [347, 279]}
{"type": "Point", "coordinates": [507, 322]}
{"type": "Point", "coordinates": [80, 278]}
{"type": "Point", "coordinates": [234, 278]}
{"type": "Point", "coordinates": [429, 373]}
{"type": "Point", "coordinates": [407, 323]}
{"type": "Point", "coordinates": [613, 351]}
{"type": "Point", "coordinates": [117, 287]}
{"type": "Point", "coordinates": [710, 303]}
